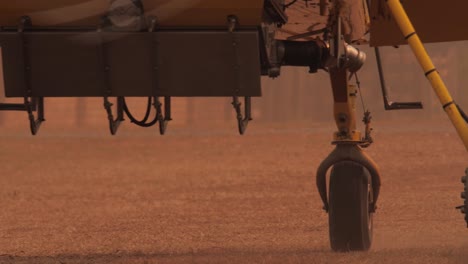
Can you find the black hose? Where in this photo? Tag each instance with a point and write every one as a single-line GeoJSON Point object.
{"type": "Point", "coordinates": [463, 114]}
{"type": "Point", "coordinates": [144, 122]}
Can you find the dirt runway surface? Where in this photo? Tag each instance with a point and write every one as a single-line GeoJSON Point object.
{"type": "Point", "coordinates": [204, 196]}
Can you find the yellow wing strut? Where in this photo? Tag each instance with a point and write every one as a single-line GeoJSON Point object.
{"type": "Point", "coordinates": [400, 16]}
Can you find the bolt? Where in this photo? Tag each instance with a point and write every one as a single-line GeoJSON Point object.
{"type": "Point", "coordinates": [342, 118]}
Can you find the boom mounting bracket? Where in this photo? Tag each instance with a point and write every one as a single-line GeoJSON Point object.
{"type": "Point", "coordinates": [31, 104]}
{"type": "Point", "coordinates": [389, 105]}
{"type": "Point", "coordinates": [243, 121]}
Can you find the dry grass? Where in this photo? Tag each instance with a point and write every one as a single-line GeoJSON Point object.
{"type": "Point", "coordinates": [213, 196]}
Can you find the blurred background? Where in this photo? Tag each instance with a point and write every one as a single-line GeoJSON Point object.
{"type": "Point", "coordinates": [296, 96]}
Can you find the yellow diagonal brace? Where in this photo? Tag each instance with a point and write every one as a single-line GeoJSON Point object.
{"type": "Point", "coordinates": [430, 71]}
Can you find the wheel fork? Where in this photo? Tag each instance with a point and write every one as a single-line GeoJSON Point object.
{"type": "Point", "coordinates": [348, 152]}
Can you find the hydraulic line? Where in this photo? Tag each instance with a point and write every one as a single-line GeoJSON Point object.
{"type": "Point", "coordinates": [144, 122]}
{"type": "Point", "coordinates": [463, 114]}
{"type": "Point", "coordinates": [429, 69]}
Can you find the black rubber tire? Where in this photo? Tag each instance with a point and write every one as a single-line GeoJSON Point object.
{"type": "Point", "coordinates": [465, 193]}
{"type": "Point", "coordinates": [350, 196]}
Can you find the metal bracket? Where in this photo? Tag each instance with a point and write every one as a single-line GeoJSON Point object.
{"type": "Point", "coordinates": [30, 104]}
{"type": "Point", "coordinates": [232, 23]}
{"type": "Point", "coordinates": [114, 123]}
{"type": "Point", "coordinates": [37, 104]}
{"type": "Point", "coordinates": [163, 119]}
{"type": "Point", "coordinates": [389, 105]}
{"type": "Point", "coordinates": [241, 120]}
{"type": "Point", "coordinates": [367, 140]}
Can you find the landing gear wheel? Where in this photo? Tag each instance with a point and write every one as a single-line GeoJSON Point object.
{"type": "Point", "coordinates": [464, 195]}
{"type": "Point", "coordinates": [350, 199]}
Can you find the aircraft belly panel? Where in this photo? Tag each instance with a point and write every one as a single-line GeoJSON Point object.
{"type": "Point", "coordinates": [170, 13]}
{"type": "Point", "coordinates": [434, 21]}
{"type": "Point", "coordinates": [177, 63]}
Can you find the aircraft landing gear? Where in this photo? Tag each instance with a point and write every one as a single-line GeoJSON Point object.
{"type": "Point", "coordinates": [354, 178]}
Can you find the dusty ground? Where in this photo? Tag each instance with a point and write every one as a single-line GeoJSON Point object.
{"type": "Point", "coordinates": [206, 196]}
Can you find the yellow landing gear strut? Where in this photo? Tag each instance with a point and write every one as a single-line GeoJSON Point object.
{"type": "Point", "coordinates": [434, 78]}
